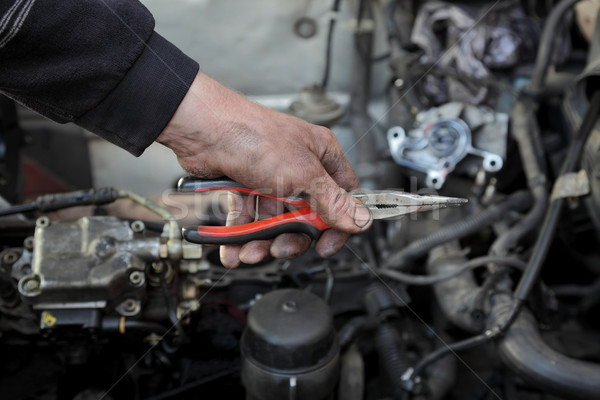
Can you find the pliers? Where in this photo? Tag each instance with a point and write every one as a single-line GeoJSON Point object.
{"type": "Point", "coordinates": [383, 204]}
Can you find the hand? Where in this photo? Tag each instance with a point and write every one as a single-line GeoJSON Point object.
{"type": "Point", "coordinates": [217, 132]}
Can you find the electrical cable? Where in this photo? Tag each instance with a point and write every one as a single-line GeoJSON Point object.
{"type": "Point", "coordinates": [18, 209]}
{"type": "Point", "coordinates": [58, 201]}
{"type": "Point", "coordinates": [409, 379]}
{"type": "Point", "coordinates": [422, 280]}
{"type": "Point", "coordinates": [171, 310]}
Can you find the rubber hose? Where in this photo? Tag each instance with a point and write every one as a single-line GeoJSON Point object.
{"type": "Point", "coordinates": [353, 327]}
{"type": "Point", "coordinates": [524, 351]}
{"type": "Point", "coordinates": [517, 201]}
{"type": "Point", "coordinates": [392, 357]}
{"type": "Point", "coordinates": [546, 46]}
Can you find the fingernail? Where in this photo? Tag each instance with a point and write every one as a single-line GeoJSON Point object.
{"type": "Point", "coordinates": [362, 216]}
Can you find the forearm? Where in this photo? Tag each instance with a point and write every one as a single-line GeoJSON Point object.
{"type": "Point", "coordinates": [96, 63]}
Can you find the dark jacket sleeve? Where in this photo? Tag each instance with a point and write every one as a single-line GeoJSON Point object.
{"type": "Point", "coordinates": [97, 63]}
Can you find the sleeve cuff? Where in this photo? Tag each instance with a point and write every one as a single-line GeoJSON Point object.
{"type": "Point", "coordinates": [137, 110]}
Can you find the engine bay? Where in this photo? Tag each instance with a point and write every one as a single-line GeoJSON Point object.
{"type": "Point", "coordinates": [495, 102]}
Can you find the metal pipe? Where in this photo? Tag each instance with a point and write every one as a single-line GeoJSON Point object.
{"type": "Point", "coordinates": [360, 122]}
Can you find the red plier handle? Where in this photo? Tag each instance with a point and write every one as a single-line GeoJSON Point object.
{"type": "Point", "coordinates": [301, 220]}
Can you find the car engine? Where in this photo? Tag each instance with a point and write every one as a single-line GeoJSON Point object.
{"type": "Point", "coordinates": [496, 102]}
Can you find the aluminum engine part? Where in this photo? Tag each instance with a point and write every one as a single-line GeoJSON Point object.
{"type": "Point", "coordinates": [93, 263]}
{"type": "Point", "coordinates": [443, 136]}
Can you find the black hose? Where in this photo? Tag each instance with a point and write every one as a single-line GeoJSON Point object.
{"type": "Point", "coordinates": [58, 201]}
{"type": "Point", "coordinates": [524, 351]}
{"type": "Point", "coordinates": [335, 8]}
{"type": "Point", "coordinates": [392, 357]}
{"type": "Point", "coordinates": [123, 325]}
{"type": "Point", "coordinates": [18, 209]}
{"type": "Point", "coordinates": [355, 326]}
{"type": "Point", "coordinates": [544, 240]}
{"type": "Point", "coordinates": [546, 47]}
{"type": "Point", "coordinates": [422, 280]}
{"type": "Point", "coordinates": [517, 201]}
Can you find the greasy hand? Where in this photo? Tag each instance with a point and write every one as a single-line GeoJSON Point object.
{"type": "Point", "coordinates": [217, 132]}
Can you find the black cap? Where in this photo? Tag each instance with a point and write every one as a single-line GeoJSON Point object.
{"type": "Point", "coordinates": [290, 329]}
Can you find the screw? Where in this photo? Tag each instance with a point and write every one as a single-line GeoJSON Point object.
{"type": "Point", "coordinates": [136, 278]}
{"type": "Point", "coordinates": [138, 226]}
{"type": "Point", "coordinates": [28, 243]}
{"type": "Point", "coordinates": [10, 257]}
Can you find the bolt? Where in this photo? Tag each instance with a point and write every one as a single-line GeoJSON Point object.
{"type": "Point", "coordinates": [104, 248]}
{"type": "Point", "coordinates": [28, 243]}
{"type": "Point", "coordinates": [42, 222]}
{"type": "Point", "coordinates": [138, 226]}
{"type": "Point", "coordinates": [10, 257]}
{"type": "Point", "coordinates": [31, 285]}
{"type": "Point", "coordinates": [130, 305]}
{"type": "Point", "coordinates": [136, 278]}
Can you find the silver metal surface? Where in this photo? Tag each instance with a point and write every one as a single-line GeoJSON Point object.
{"type": "Point", "coordinates": [387, 204]}
{"type": "Point", "coordinates": [94, 262]}
{"type": "Point", "coordinates": [446, 135]}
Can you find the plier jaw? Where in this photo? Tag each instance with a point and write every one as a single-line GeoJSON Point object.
{"type": "Point", "coordinates": [390, 204]}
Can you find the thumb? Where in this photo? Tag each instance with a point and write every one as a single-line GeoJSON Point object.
{"type": "Point", "coordinates": [338, 208]}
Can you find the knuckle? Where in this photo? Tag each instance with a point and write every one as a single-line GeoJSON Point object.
{"type": "Point", "coordinates": [340, 204]}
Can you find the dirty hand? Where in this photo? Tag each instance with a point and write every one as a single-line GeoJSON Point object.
{"type": "Point", "coordinates": [217, 132]}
